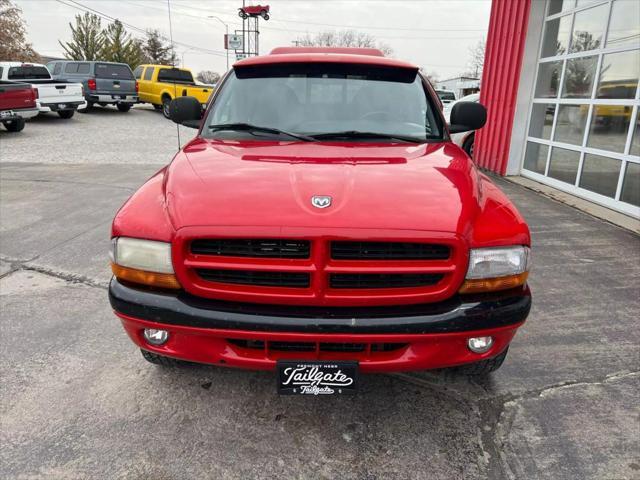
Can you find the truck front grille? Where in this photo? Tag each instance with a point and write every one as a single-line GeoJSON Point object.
{"type": "Point", "coordinates": [260, 278]}
{"type": "Point", "coordinates": [388, 251]}
{"type": "Point", "coordinates": [251, 247]}
{"type": "Point", "coordinates": [327, 270]}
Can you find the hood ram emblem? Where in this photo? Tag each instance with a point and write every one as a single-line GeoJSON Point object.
{"type": "Point", "coordinates": [321, 201]}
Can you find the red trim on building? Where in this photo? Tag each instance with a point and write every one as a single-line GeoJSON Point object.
{"type": "Point", "coordinates": [500, 78]}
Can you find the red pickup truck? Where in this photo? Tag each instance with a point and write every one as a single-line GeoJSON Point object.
{"type": "Point", "coordinates": [321, 224]}
{"type": "Point", "coordinates": [17, 102]}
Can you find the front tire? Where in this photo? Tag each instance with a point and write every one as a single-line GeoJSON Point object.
{"type": "Point", "coordinates": [160, 360]}
{"type": "Point", "coordinates": [483, 367]}
{"type": "Point", "coordinates": [66, 114]}
{"type": "Point", "coordinates": [123, 107]}
{"type": "Point", "coordinates": [15, 125]}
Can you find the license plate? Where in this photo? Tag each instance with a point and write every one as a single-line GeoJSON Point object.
{"type": "Point", "coordinates": [62, 106]}
{"type": "Point", "coordinates": [317, 378]}
{"type": "Point", "coordinates": [6, 113]}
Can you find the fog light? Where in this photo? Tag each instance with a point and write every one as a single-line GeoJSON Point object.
{"type": "Point", "coordinates": [480, 344]}
{"type": "Point", "coordinates": [155, 337]}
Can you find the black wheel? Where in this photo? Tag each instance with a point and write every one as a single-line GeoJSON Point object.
{"type": "Point", "coordinates": [242, 14]}
{"type": "Point", "coordinates": [157, 107]}
{"type": "Point", "coordinates": [160, 360]}
{"type": "Point", "coordinates": [123, 107]}
{"type": "Point", "coordinates": [483, 367]}
{"type": "Point", "coordinates": [87, 109]}
{"type": "Point", "coordinates": [467, 146]}
{"type": "Point", "coordinates": [66, 113]}
{"type": "Point", "coordinates": [264, 14]}
{"type": "Point", "coordinates": [14, 125]}
{"type": "Point", "coordinates": [165, 107]}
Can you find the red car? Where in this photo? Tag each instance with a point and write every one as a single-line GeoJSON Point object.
{"type": "Point", "coordinates": [254, 11]}
{"type": "Point", "coordinates": [321, 224]}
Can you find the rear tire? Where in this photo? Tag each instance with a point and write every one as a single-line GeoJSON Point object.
{"type": "Point", "coordinates": [483, 367]}
{"type": "Point", "coordinates": [123, 107]}
{"type": "Point", "coordinates": [165, 107]}
{"type": "Point", "coordinates": [160, 360]}
{"type": "Point", "coordinates": [14, 125]}
{"type": "Point", "coordinates": [66, 114]}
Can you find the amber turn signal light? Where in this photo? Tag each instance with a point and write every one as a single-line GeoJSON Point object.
{"type": "Point", "coordinates": [151, 279]}
{"type": "Point", "coordinates": [493, 284]}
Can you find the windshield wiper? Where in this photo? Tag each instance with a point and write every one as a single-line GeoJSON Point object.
{"type": "Point", "coordinates": [358, 134]}
{"type": "Point", "coordinates": [247, 127]}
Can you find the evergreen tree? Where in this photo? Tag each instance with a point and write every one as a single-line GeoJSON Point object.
{"type": "Point", "coordinates": [87, 39]}
{"type": "Point", "coordinates": [156, 51]}
{"type": "Point", "coordinates": [13, 42]}
{"type": "Point", "coordinates": [120, 47]}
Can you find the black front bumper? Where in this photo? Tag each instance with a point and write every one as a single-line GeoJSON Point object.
{"type": "Point", "coordinates": [457, 314]}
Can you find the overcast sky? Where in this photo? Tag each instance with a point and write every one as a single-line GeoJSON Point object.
{"type": "Point", "coordinates": [435, 34]}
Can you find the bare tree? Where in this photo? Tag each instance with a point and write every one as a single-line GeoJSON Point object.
{"type": "Point", "coordinates": [13, 38]}
{"type": "Point", "coordinates": [476, 59]}
{"type": "Point", "coordinates": [208, 77]}
{"type": "Point", "coordinates": [343, 38]}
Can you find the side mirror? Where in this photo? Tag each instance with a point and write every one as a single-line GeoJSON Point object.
{"type": "Point", "coordinates": [186, 111]}
{"type": "Point", "coordinates": [466, 116]}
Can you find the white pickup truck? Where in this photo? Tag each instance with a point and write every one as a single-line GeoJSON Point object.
{"type": "Point", "coordinates": [51, 95]}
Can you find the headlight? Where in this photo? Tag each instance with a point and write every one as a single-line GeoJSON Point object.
{"type": "Point", "coordinates": [496, 268]}
{"type": "Point", "coordinates": [145, 262]}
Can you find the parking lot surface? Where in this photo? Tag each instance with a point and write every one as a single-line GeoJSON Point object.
{"type": "Point", "coordinates": [79, 402]}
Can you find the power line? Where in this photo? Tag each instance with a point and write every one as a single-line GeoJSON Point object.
{"type": "Point", "coordinates": [299, 31]}
{"type": "Point", "coordinates": [84, 8]}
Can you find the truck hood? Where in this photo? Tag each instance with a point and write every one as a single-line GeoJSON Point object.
{"type": "Point", "coordinates": [428, 187]}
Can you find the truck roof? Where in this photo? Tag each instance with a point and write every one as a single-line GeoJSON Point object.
{"type": "Point", "coordinates": [19, 64]}
{"type": "Point", "coordinates": [362, 56]}
{"type": "Point", "coordinates": [156, 65]}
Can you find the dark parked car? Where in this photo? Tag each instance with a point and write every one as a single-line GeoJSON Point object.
{"type": "Point", "coordinates": [105, 83]}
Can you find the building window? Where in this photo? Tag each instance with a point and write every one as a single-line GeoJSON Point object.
{"type": "Point", "coordinates": [584, 121]}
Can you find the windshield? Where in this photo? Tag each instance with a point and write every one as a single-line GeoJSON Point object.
{"type": "Point", "coordinates": [174, 75]}
{"type": "Point", "coordinates": [28, 73]}
{"type": "Point", "coordinates": [113, 70]}
{"type": "Point", "coordinates": [321, 98]}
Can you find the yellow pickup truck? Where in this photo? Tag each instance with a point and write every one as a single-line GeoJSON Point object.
{"type": "Point", "coordinates": [159, 84]}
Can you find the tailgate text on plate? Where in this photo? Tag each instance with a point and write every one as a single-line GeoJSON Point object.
{"type": "Point", "coordinates": [317, 378]}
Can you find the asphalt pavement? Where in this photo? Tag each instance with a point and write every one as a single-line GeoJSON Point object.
{"type": "Point", "coordinates": [79, 402]}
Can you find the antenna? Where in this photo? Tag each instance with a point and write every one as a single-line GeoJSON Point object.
{"type": "Point", "coordinates": [173, 62]}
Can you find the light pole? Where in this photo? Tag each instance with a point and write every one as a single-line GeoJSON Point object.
{"type": "Point", "coordinates": [183, 52]}
{"type": "Point", "coordinates": [226, 28]}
